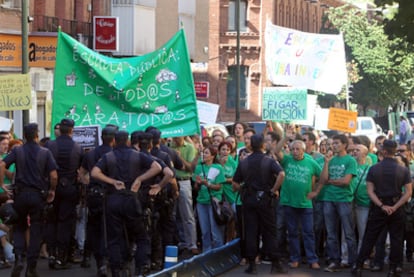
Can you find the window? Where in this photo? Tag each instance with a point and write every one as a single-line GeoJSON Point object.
{"type": "Point", "coordinates": [232, 15]}
{"type": "Point", "coordinates": [11, 4]}
{"type": "Point", "coordinates": [231, 87]}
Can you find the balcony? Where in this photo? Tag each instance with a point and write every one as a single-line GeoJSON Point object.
{"type": "Point", "coordinates": [76, 29]}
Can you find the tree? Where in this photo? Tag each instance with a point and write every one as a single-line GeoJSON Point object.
{"type": "Point", "coordinates": [385, 66]}
{"type": "Point", "coordinates": [402, 23]}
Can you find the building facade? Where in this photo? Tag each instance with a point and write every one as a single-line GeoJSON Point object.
{"type": "Point", "coordinates": [303, 15]}
{"type": "Point", "coordinates": [210, 27]}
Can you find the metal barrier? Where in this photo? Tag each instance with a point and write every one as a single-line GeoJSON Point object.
{"type": "Point", "coordinates": [211, 263]}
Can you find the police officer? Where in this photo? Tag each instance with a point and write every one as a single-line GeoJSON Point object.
{"type": "Point", "coordinates": [166, 232]}
{"type": "Point", "coordinates": [95, 229]}
{"type": "Point", "coordinates": [389, 188]}
{"type": "Point", "coordinates": [123, 170]}
{"type": "Point", "coordinates": [68, 155]}
{"type": "Point", "coordinates": [36, 179]}
{"type": "Point", "coordinates": [257, 172]}
{"type": "Point", "coordinates": [148, 195]}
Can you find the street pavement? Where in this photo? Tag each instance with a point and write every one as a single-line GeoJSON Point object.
{"type": "Point", "coordinates": [263, 270]}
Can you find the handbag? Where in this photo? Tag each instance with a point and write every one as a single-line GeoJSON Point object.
{"type": "Point", "coordinates": [222, 211]}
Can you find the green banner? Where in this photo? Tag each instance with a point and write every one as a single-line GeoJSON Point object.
{"type": "Point", "coordinates": [156, 89]}
{"type": "Point", "coordinates": [284, 104]}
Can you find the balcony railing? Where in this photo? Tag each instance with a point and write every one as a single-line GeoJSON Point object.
{"type": "Point", "coordinates": [43, 23]}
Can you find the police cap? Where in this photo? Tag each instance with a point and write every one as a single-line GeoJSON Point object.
{"type": "Point", "coordinates": [31, 128]}
{"type": "Point", "coordinates": [67, 122]}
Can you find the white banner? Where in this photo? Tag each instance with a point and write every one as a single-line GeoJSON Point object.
{"type": "Point", "coordinates": [299, 59]}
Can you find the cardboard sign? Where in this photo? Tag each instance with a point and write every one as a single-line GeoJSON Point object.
{"type": "Point", "coordinates": [207, 112]}
{"type": "Point", "coordinates": [284, 104]}
{"type": "Point", "coordinates": [342, 120]}
{"type": "Point", "coordinates": [15, 92]}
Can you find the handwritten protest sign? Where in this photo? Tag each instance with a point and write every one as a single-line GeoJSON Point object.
{"type": "Point", "coordinates": [299, 59]}
{"type": "Point", "coordinates": [15, 92]}
{"type": "Point", "coordinates": [284, 104]}
{"type": "Point", "coordinates": [342, 120]}
{"type": "Point", "coordinates": [156, 89]}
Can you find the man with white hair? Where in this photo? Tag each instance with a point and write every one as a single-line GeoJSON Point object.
{"type": "Point", "coordinates": [298, 190]}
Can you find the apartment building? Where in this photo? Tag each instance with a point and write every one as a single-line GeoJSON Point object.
{"type": "Point", "coordinates": [210, 27]}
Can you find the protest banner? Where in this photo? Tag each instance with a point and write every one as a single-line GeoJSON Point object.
{"type": "Point", "coordinates": [300, 59]}
{"type": "Point", "coordinates": [156, 89]}
{"type": "Point", "coordinates": [342, 120]}
{"type": "Point", "coordinates": [284, 104]}
{"type": "Point", "coordinates": [15, 92]}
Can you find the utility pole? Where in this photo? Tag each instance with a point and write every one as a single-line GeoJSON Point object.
{"type": "Point", "coordinates": [21, 117]}
{"type": "Point", "coordinates": [25, 47]}
{"type": "Point", "coordinates": [238, 61]}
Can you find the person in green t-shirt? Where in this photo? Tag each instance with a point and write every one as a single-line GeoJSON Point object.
{"type": "Point", "coordinates": [186, 223]}
{"type": "Point", "coordinates": [337, 176]}
{"type": "Point", "coordinates": [361, 200]}
{"type": "Point", "coordinates": [209, 178]}
{"type": "Point", "coordinates": [296, 196]}
{"type": "Point", "coordinates": [238, 131]}
{"type": "Point", "coordinates": [229, 166]}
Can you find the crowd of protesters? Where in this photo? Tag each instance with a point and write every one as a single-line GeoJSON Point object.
{"type": "Point", "coordinates": [298, 197]}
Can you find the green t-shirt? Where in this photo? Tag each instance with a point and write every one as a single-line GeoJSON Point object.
{"type": "Point", "coordinates": [12, 168]}
{"type": "Point", "coordinates": [320, 160]}
{"type": "Point", "coordinates": [215, 175]}
{"type": "Point", "coordinates": [188, 153]}
{"type": "Point", "coordinates": [229, 169]}
{"type": "Point", "coordinates": [361, 195]}
{"type": "Point", "coordinates": [338, 167]}
{"type": "Point", "coordinates": [374, 158]}
{"type": "Point", "coordinates": [298, 181]}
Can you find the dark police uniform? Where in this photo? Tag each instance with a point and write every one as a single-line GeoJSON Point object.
{"type": "Point", "coordinates": [165, 233]}
{"type": "Point", "coordinates": [388, 178]}
{"type": "Point", "coordinates": [96, 227]}
{"type": "Point", "coordinates": [68, 155]}
{"type": "Point", "coordinates": [257, 173]}
{"type": "Point", "coordinates": [124, 164]}
{"type": "Point", "coordinates": [33, 167]}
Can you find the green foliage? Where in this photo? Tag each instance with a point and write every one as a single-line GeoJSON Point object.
{"type": "Point", "coordinates": [402, 23]}
{"type": "Point", "coordinates": [383, 71]}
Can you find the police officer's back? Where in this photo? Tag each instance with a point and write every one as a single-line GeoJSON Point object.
{"type": "Point", "coordinates": [68, 155]}
{"type": "Point", "coordinates": [95, 198]}
{"type": "Point", "coordinates": [35, 182]}
{"type": "Point", "coordinates": [389, 188]}
{"type": "Point", "coordinates": [123, 170]}
{"type": "Point", "coordinates": [258, 172]}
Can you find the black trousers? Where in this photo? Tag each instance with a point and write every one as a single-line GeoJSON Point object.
{"type": "Point", "coordinates": [260, 219]}
{"type": "Point", "coordinates": [377, 222]}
